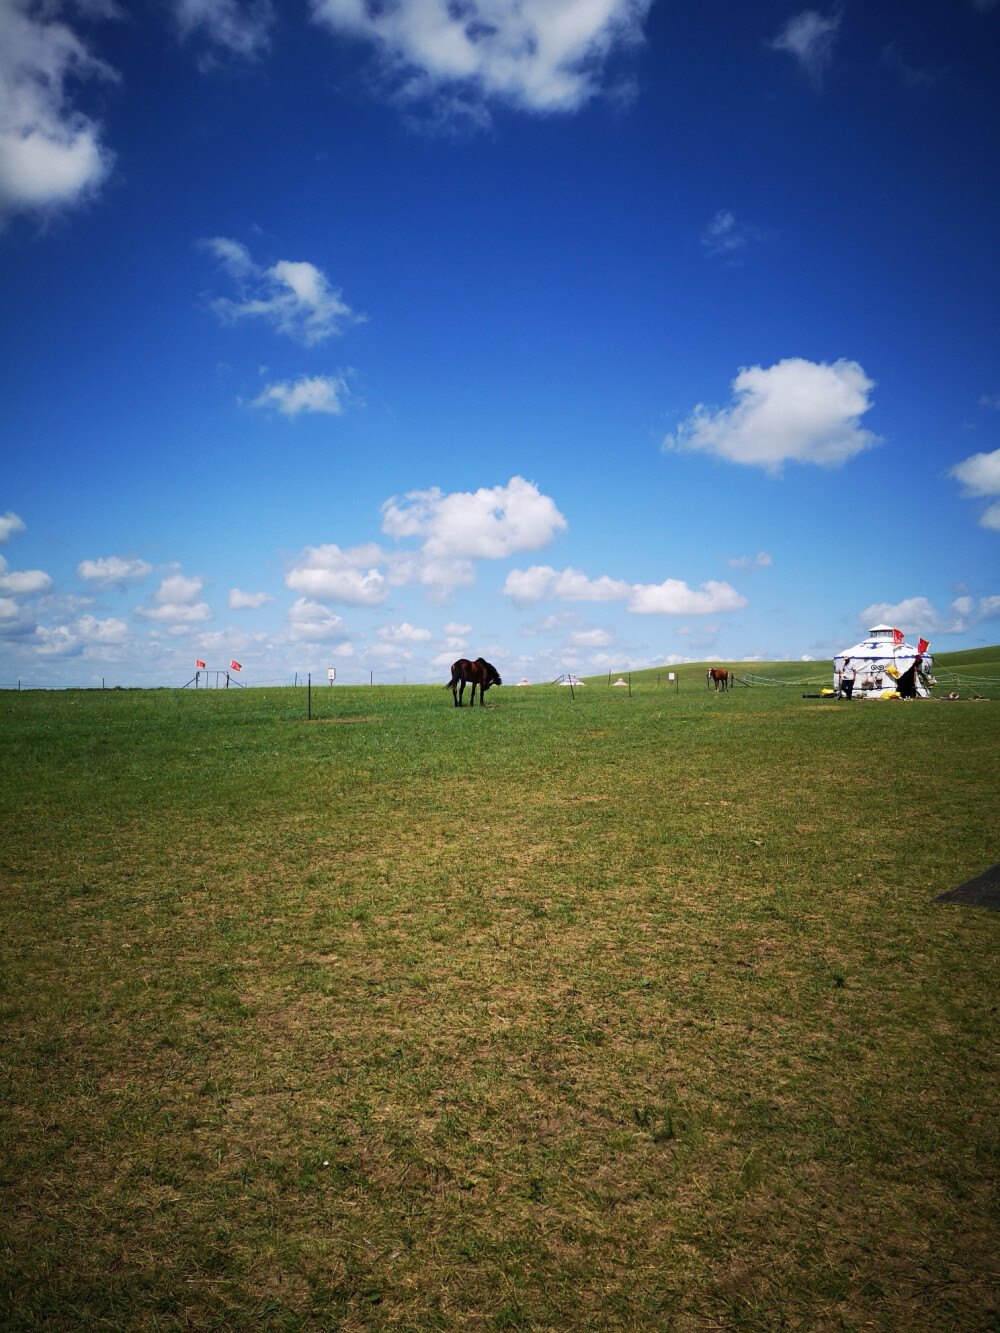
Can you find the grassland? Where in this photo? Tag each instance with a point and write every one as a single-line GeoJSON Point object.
{"type": "Point", "coordinates": [602, 1013]}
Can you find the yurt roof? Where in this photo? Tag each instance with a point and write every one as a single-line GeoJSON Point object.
{"type": "Point", "coordinates": [880, 645]}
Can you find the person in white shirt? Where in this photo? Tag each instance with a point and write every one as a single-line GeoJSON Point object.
{"type": "Point", "coordinates": [847, 679]}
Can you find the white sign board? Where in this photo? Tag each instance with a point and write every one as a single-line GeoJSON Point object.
{"type": "Point", "coordinates": [670, 675]}
{"type": "Point", "coordinates": [331, 674]}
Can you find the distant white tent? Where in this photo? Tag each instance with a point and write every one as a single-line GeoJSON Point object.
{"type": "Point", "coordinates": [880, 661]}
{"type": "Point", "coordinates": [571, 680]}
{"type": "Point", "coordinates": [619, 681]}
{"type": "Point", "coordinates": [523, 681]}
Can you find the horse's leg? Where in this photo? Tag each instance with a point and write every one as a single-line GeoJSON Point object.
{"type": "Point", "coordinates": [472, 695]}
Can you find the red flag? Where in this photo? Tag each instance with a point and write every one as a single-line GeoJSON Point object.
{"type": "Point", "coordinates": [198, 664]}
{"type": "Point", "coordinates": [897, 637]}
{"type": "Point", "coordinates": [235, 666]}
{"type": "Point", "coordinates": [922, 646]}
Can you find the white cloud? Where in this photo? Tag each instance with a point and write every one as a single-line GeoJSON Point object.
{"type": "Point", "coordinates": [404, 633]}
{"type": "Point", "coordinates": [673, 597]}
{"type": "Point", "coordinates": [58, 642]}
{"type": "Point", "coordinates": [487, 524]}
{"type": "Point", "coordinates": [911, 614]}
{"type": "Point", "coordinates": [316, 393]}
{"type": "Point", "coordinates": [795, 411]}
{"type": "Point", "coordinates": [348, 576]}
{"type": "Point", "coordinates": [918, 615]}
{"type": "Point", "coordinates": [9, 524]}
{"type": "Point", "coordinates": [809, 38]}
{"type": "Point", "coordinates": [113, 570]}
{"type": "Point", "coordinates": [248, 601]}
{"type": "Point", "coordinates": [24, 582]}
{"type": "Point", "coordinates": [50, 154]}
{"type": "Point", "coordinates": [990, 400]}
{"type": "Point", "coordinates": [174, 603]}
{"type": "Point", "coordinates": [759, 561]}
{"type": "Point", "coordinates": [525, 587]}
{"type": "Point", "coordinates": [539, 55]}
{"type": "Point", "coordinates": [724, 235]}
{"type": "Point", "coordinates": [980, 475]}
{"type": "Point", "coordinates": [453, 629]}
{"type": "Point", "coordinates": [309, 621]}
{"type": "Point", "coordinates": [179, 613]}
{"type": "Point", "coordinates": [242, 30]}
{"type": "Point", "coordinates": [177, 588]}
{"type": "Point", "coordinates": [294, 296]}
{"type": "Point", "coordinates": [110, 632]}
{"type": "Point", "coordinates": [589, 638]}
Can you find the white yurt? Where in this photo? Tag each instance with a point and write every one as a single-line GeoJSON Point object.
{"type": "Point", "coordinates": [524, 681]}
{"type": "Point", "coordinates": [620, 682]}
{"type": "Point", "coordinates": [881, 661]}
{"type": "Point", "coordinates": [571, 680]}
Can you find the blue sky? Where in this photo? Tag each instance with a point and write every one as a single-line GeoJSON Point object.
{"type": "Point", "coordinates": [582, 336]}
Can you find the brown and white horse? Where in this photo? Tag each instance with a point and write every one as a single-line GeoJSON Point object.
{"type": "Point", "coordinates": [717, 676]}
{"type": "Point", "coordinates": [480, 672]}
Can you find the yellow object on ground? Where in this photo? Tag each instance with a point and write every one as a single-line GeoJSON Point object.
{"type": "Point", "coordinates": [890, 694]}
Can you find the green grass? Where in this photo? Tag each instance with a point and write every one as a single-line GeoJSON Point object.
{"type": "Point", "coordinates": [562, 1014]}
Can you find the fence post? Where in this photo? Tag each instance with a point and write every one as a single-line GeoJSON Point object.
{"type": "Point", "coordinates": [309, 698]}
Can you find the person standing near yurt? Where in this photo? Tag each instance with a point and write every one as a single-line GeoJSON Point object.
{"type": "Point", "coordinates": [847, 679]}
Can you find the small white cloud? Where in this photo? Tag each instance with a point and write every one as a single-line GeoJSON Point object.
{"type": "Point", "coordinates": [311, 622]}
{"type": "Point", "coordinates": [248, 601]}
{"type": "Point", "coordinates": [25, 582]}
{"type": "Point", "coordinates": [113, 570]}
{"type": "Point", "coordinates": [724, 235]}
{"type": "Point", "coordinates": [241, 30]}
{"type": "Point", "coordinates": [292, 295]}
{"type": "Point", "coordinates": [9, 524]}
{"type": "Point", "coordinates": [51, 154]}
{"type": "Point", "coordinates": [809, 37]}
{"type": "Point", "coordinates": [589, 638]}
{"type": "Point", "coordinates": [795, 411]}
{"type": "Point", "coordinates": [179, 613]}
{"type": "Point", "coordinates": [980, 475]}
{"type": "Point", "coordinates": [538, 582]}
{"type": "Point", "coordinates": [673, 597]}
{"type": "Point", "coordinates": [750, 562]}
{"type": "Point", "coordinates": [57, 642]}
{"type": "Point", "coordinates": [991, 400]}
{"type": "Point", "coordinates": [538, 55]}
{"type": "Point", "coordinates": [916, 615]}
{"type": "Point", "coordinates": [174, 603]}
{"type": "Point", "coordinates": [109, 632]}
{"type": "Point", "coordinates": [487, 524]}
{"type": "Point", "coordinates": [340, 575]}
{"type": "Point", "coordinates": [454, 629]}
{"type": "Point", "coordinates": [316, 393]}
{"type": "Point", "coordinates": [177, 588]}
{"type": "Point", "coordinates": [403, 633]}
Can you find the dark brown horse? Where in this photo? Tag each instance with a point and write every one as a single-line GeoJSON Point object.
{"type": "Point", "coordinates": [718, 676]}
{"type": "Point", "coordinates": [480, 672]}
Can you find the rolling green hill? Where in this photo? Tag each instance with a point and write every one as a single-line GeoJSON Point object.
{"type": "Point", "coordinates": [974, 671]}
